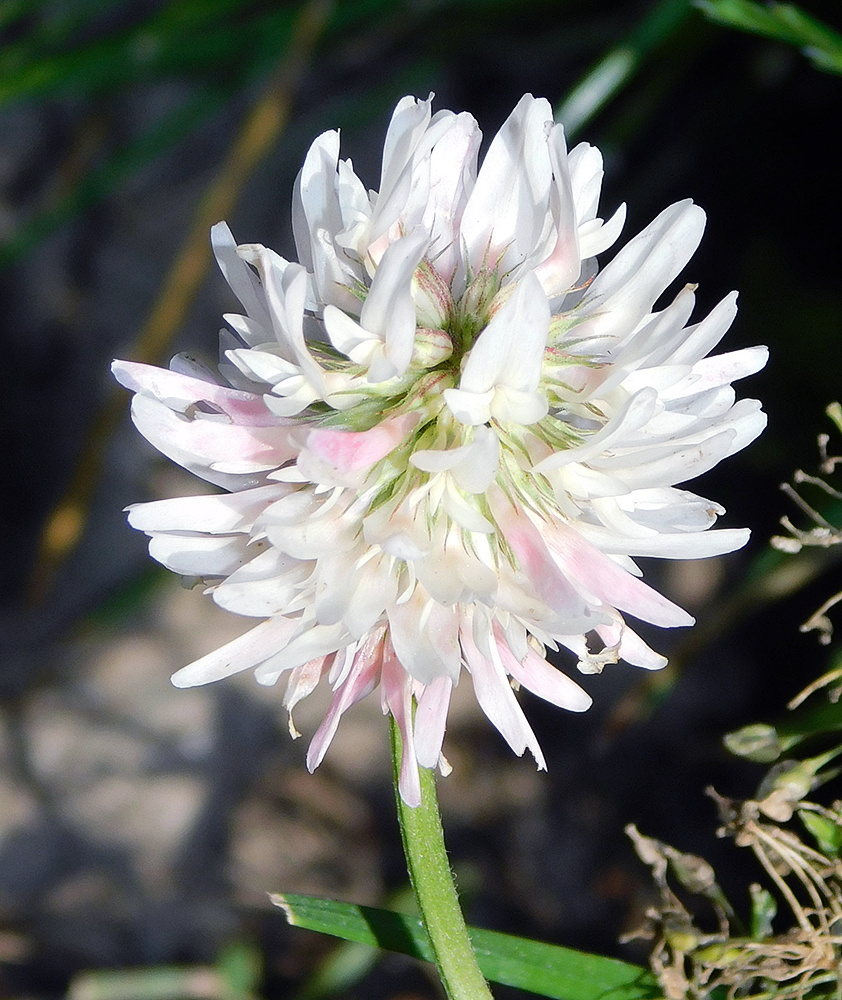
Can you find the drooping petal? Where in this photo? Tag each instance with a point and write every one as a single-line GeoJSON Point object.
{"type": "Point", "coordinates": [425, 637]}
{"type": "Point", "coordinates": [542, 679]}
{"type": "Point", "coordinates": [496, 699]}
{"type": "Point", "coordinates": [397, 698]}
{"type": "Point", "coordinates": [302, 682]}
{"type": "Point", "coordinates": [536, 562]}
{"type": "Point", "coordinates": [360, 681]}
{"type": "Point", "coordinates": [431, 720]}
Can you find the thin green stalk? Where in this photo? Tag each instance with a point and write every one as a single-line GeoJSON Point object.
{"type": "Point", "coordinates": [435, 891]}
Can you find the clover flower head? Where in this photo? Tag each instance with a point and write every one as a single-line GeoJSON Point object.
{"type": "Point", "coordinates": [443, 434]}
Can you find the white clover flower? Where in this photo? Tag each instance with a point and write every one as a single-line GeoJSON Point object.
{"type": "Point", "coordinates": [443, 434]}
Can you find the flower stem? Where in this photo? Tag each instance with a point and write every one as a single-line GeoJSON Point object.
{"type": "Point", "coordinates": [435, 890]}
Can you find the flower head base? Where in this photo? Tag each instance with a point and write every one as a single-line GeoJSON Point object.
{"type": "Point", "coordinates": [443, 434]}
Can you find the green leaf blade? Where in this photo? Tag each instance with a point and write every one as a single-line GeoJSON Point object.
{"type": "Point", "coordinates": [782, 22]}
{"type": "Point", "coordinates": [548, 970]}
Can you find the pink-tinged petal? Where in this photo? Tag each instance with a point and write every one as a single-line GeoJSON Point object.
{"type": "Point", "coordinates": [541, 678]}
{"type": "Point", "coordinates": [206, 445]}
{"type": "Point", "coordinates": [361, 681]}
{"type": "Point", "coordinates": [497, 700]}
{"type": "Point", "coordinates": [241, 653]}
{"type": "Point", "coordinates": [396, 685]}
{"type": "Point", "coordinates": [302, 682]}
{"type": "Point", "coordinates": [590, 569]}
{"type": "Point", "coordinates": [181, 392]}
{"type": "Point", "coordinates": [348, 451]}
{"type": "Point", "coordinates": [431, 720]}
{"type": "Point", "coordinates": [534, 559]}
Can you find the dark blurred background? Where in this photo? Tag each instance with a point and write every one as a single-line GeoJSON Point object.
{"type": "Point", "coordinates": [140, 826]}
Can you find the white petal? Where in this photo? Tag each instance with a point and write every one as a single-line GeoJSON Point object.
{"type": "Point", "coordinates": [477, 468]}
{"type": "Point", "coordinates": [560, 270]}
{"type": "Point", "coordinates": [239, 275]}
{"type": "Point", "coordinates": [431, 720]}
{"type": "Point", "coordinates": [266, 585]}
{"type": "Point", "coordinates": [496, 699]}
{"type": "Point", "coordinates": [199, 555]}
{"type": "Point", "coordinates": [595, 238]}
{"type": "Point", "coordinates": [425, 637]}
{"type": "Point", "coordinates": [409, 122]}
{"type": "Point", "coordinates": [676, 545]}
{"type": "Point", "coordinates": [702, 338]}
{"type": "Point", "coordinates": [510, 350]}
{"type": "Point", "coordinates": [241, 653]}
{"type": "Point", "coordinates": [214, 513]}
{"type": "Point", "coordinates": [544, 680]}
{"type": "Point", "coordinates": [507, 210]}
{"type": "Point", "coordinates": [624, 291]}
{"type": "Point", "coordinates": [308, 643]}
{"type": "Point", "coordinates": [389, 311]}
